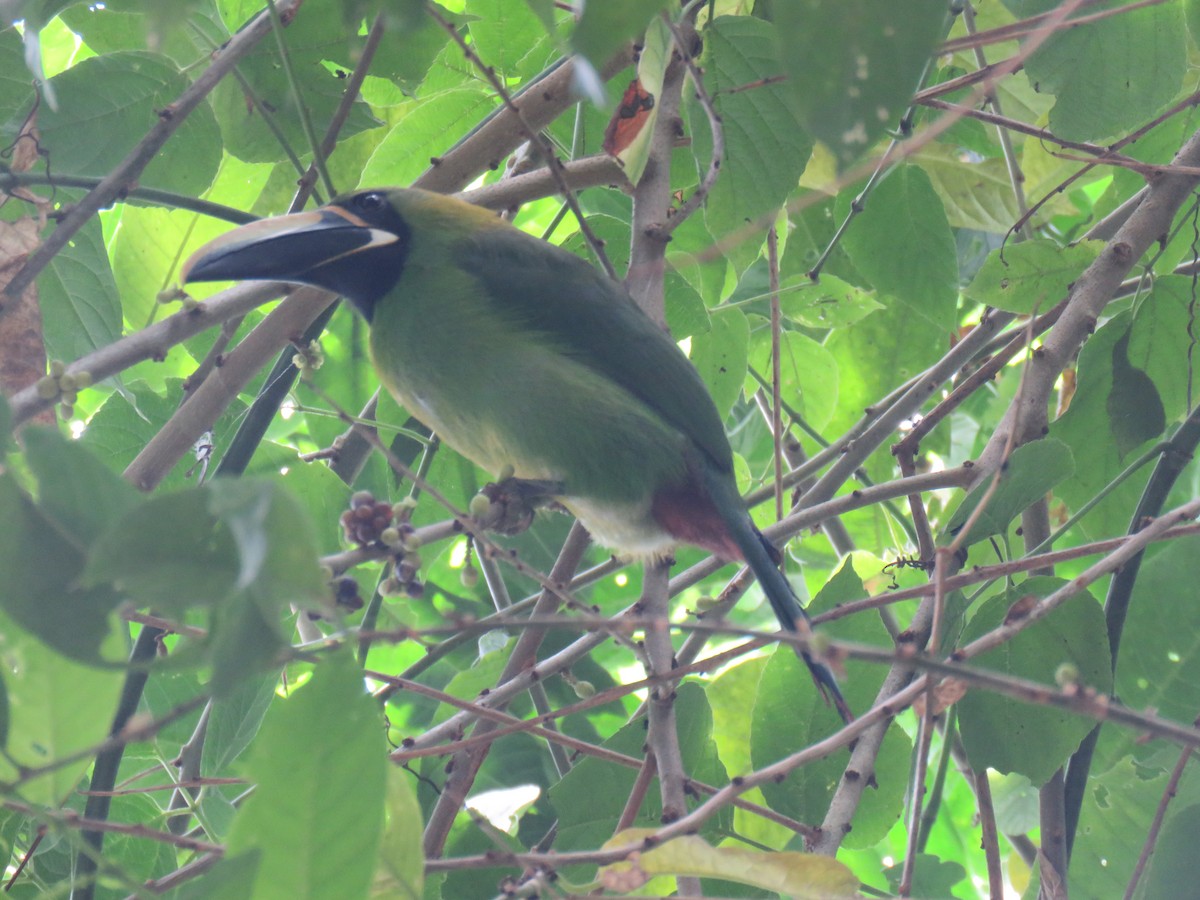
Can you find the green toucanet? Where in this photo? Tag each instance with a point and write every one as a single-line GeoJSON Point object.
{"type": "Point", "coordinates": [519, 354]}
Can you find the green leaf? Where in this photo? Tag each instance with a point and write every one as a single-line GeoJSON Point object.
{"type": "Point", "coordinates": [1110, 75]}
{"type": "Point", "coordinates": [1134, 408]}
{"type": "Point", "coordinates": [233, 722]}
{"type": "Point", "coordinates": [232, 876]}
{"type": "Point", "coordinates": [932, 877]}
{"type": "Point", "coordinates": [1175, 867]}
{"type": "Point", "coordinates": [828, 303]}
{"type": "Point", "coordinates": [903, 245]}
{"type": "Point", "coordinates": [40, 569]}
{"type": "Point", "coordinates": [425, 131]}
{"type": "Point", "coordinates": [605, 27]}
{"type": "Point", "coordinates": [57, 706]}
{"type": "Point", "coordinates": [81, 310]}
{"type": "Point", "coordinates": [317, 813]}
{"type": "Point", "coordinates": [245, 639]}
{"type": "Point", "coordinates": [591, 796]}
{"type": "Point", "coordinates": [76, 489]}
{"type": "Point", "coordinates": [169, 552]}
{"type": "Point", "coordinates": [275, 541]}
{"type": "Point", "coordinates": [789, 714]}
{"type": "Point", "coordinates": [976, 193]}
{"type": "Point", "coordinates": [1011, 735]}
{"type": "Point", "coordinates": [1031, 471]}
{"type": "Point", "coordinates": [1163, 672]}
{"type": "Point", "coordinates": [1032, 276]}
{"type": "Point", "coordinates": [121, 428]}
{"type": "Point", "coordinates": [766, 145]}
{"type": "Point", "coordinates": [505, 34]}
{"type": "Point", "coordinates": [1117, 804]}
{"type": "Point", "coordinates": [854, 66]}
{"type": "Point", "coordinates": [1163, 322]}
{"type": "Point", "coordinates": [1085, 428]}
{"type": "Point", "coordinates": [898, 346]}
{"type": "Point", "coordinates": [401, 871]}
{"type": "Point", "coordinates": [808, 373]}
{"type": "Point", "coordinates": [16, 90]}
{"type": "Point", "coordinates": [316, 37]}
{"type": "Point", "coordinates": [720, 356]}
{"type": "Point", "coordinates": [115, 100]}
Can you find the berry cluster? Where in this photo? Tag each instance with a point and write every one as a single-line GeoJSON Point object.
{"type": "Point", "coordinates": [371, 522]}
{"type": "Point", "coordinates": [63, 386]}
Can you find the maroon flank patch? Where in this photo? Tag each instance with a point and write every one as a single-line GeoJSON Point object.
{"type": "Point", "coordinates": [690, 517]}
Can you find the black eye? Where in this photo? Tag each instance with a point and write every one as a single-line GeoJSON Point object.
{"type": "Point", "coordinates": [372, 202]}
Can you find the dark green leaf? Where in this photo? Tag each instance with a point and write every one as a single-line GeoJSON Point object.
{"type": "Point", "coordinates": [1029, 474]}
{"type": "Point", "coordinates": [1175, 867]}
{"type": "Point", "coordinates": [40, 569]}
{"type": "Point", "coordinates": [169, 552]}
{"type": "Point", "coordinates": [933, 878]}
{"type": "Point", "coordinates": [273, 535]}
{"type": "Point", "coordinates": [233, 876]}
{"type": "Point", "coordinates": [1135, 411]}
{"type": "Point", "coordinates": [1011, 735]}
{"type": "Point", "coordinates": [82, 495]}
{"type": "Point", "coordinates": [1164, 668]}
{"type": "Point", "coordinates": [854, 66]}
{"type": "Point", "coordinates": [320, 768]}
{"type": "Point", "coordinates": [245, 640]}
{"type": "Point", "coordinates": [1085, 428]}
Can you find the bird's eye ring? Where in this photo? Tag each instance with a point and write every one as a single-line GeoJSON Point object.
{"type": "Point", "coordinates": [371, 202]}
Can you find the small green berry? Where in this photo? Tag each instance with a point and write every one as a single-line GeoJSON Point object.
{"type": "Point", "coordinates": [506, 472]}
{"type": "Point", "coordinates": [469, 576]}
{"type": "Point", "coordinates": [1066, 675]}
{"type": "Point", "coordinates": [69, 397]}
{"type": "Point", "coordinates": [391, 587]}
{"type": "Point", "coordinates": [66, 410]}
{"type": "Point", "coordinates": [361, 498]}
{"type": "Point", "coordinates": [390, 537]}
{"type": "Point", "coordinates": [57, 368]}
{"type": "Point", "coordinates": [480, 506]}
{"type": "Point", "coordinates": [83, 379]}
{"type": "Point", "coordinates": [706, 604]}
{"type": "Point", "coordinates": [584, 690]}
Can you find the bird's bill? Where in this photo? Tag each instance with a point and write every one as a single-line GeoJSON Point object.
{"type": "Point", "coordinates": [284, 248]}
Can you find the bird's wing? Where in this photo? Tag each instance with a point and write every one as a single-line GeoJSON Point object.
{"type": "Point", "coordinates": [593, 319]}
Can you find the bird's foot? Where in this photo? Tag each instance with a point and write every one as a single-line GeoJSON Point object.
{"type": "Point", "coordinates": [507, 506]}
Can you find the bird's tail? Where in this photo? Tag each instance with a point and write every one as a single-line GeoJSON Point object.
{"type": "Point", "coordinates": [762, 558]}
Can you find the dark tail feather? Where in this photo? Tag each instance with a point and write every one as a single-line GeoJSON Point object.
{"type": "Point", "coordinates": [763, 559]}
